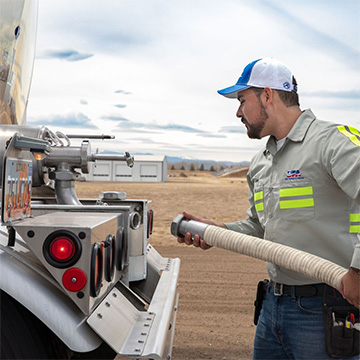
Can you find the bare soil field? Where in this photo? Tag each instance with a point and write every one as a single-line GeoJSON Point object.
{"type": "Point", "coordinates": [217, 288]}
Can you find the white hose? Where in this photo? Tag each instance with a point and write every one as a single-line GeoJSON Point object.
{"type": "Point", "coordinates": [311, 265]}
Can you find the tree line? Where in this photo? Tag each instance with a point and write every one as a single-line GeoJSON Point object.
{"type": "Point", "coordinates": [195, 167]}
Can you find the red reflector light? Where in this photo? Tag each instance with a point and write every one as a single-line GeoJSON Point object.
{"type": "Point", "coordinates": [74, 279]}
{"type": "Point", "coordinates": [62, 248]}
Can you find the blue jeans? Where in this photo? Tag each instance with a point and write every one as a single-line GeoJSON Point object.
{"type": "Point", "coordinates": [290, 327]}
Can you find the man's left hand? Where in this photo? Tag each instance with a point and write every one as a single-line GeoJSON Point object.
{"type": "Point", "coordinates": [350, 287]}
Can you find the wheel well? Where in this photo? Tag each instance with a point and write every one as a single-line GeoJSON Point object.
{"type": "Point", "coordinates": [24, 336]}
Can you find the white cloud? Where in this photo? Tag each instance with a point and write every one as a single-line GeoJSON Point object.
{"type": "Point", "coordinates": [71, 120]}
{"type": "Point", "coordinates": [159, 63]}
{"type": "Point", "coordinates": [67, 55]}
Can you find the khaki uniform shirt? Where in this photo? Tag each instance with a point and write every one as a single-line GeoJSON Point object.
{"type": "Point", "coordinates": [307, 195]}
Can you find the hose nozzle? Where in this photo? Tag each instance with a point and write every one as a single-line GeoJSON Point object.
{"type": "Point", "coordinates": [181, 225]}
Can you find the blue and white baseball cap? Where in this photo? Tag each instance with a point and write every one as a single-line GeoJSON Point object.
{"type": "Point", "coordinates": [261, 73]}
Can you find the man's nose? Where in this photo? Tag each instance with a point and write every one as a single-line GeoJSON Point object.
{"type": "Point", "coordinates": [239, 113]}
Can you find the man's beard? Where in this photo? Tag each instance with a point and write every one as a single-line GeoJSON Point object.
{"type": "Point", "coordinates": [254, 131]}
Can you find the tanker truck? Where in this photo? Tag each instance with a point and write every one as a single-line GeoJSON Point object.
{"type": "Point", "coordinates": [78, 277]}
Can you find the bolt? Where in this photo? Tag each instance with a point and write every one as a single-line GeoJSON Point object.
{"type": "Point", "coordinates": [99, 316]}
{"type": "Point", "coordinates": [140, 341]}
{"type": "Point", "coordinates": [146, 324]}
{"type": "Point", "coordinates": [74, 280]}
{"type": "Point", "coordinates": [107, 304]}
{"type": "Point", "coordinates": [151, 313]}
{"type": "Point", "coordinates": [137, 350]}
{"type": "Point", "coordinates": [143, 333]}
{"type": "Point", "coordinates": [114, 295]}
{"type": "Point", "coordinates": [149, 318]}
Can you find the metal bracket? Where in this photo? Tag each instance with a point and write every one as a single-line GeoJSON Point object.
{"type": "Point", "coordinates": [125, 328]}
{"type": "Point", "coordinates": [32, 144]}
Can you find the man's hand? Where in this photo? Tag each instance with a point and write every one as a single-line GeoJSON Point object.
{"type": "Point", "coordinates": [350, 287]}
{"type": "Point", "coordinates": [188, 239]}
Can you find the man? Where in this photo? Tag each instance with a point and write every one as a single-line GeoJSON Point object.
{"type": "Point", "coordinates": [304, 192]}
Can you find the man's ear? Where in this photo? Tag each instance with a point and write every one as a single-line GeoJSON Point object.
{"type": "Point", "coordinates": [268, 96]}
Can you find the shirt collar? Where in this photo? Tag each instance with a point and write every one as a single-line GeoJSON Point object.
{"type": "Point", "coordinates": [301, 126]}
{"type": "Point", "coordinates": [297, 132]}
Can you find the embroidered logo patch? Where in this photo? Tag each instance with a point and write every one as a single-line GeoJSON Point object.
{"type": "Point", "coordinates": [286, 85]}
{"type": "Point", "coordinates": [293, 174]}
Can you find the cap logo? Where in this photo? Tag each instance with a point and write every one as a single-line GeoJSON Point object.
{"type": "Point", "coordinates": [286, 85]}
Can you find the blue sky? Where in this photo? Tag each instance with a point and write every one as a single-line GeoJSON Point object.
{"type": "Point", "coordinates": [147, 71]}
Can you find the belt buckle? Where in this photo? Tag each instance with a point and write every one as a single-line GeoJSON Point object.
{"type": "Point", "coordinates": [278, 289]}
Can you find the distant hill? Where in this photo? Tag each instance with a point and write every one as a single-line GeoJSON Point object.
{"type": "Point", "coordinates": [235, 173]}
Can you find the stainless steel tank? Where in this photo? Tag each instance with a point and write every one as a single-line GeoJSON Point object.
{"type": "Point", "coordinates": [17, 52]}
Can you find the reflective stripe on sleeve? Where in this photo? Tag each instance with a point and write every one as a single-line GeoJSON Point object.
{"type": "Point", "coordinates": [351, 133]}
{"type": "Point", "coordinates": [259, 195]}
{"type": "Point", "coordinates": [259, 207]}
{"type": "Point", "coordinates": [259, 201]}
{"type": "Point", "coordinates": [354, 229]}
{"type": "Point", "coordinates": [354, 223]}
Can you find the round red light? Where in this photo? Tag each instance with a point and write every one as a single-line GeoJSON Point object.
{"type": "Point", "coordinates": [62, 248]}
{"type": "Point", "coordinates": [74, 279]}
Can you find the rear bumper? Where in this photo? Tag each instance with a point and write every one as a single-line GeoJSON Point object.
{"type": "Point", "coordinates": [147, 332]}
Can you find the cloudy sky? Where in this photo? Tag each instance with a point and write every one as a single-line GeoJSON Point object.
{"type": "Point", "coordinates": [147, 71]}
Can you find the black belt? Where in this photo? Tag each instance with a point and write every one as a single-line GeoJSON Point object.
{"type": "Point", "coordinates": [299, 290]}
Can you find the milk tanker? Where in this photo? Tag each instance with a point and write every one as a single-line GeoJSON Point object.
{"type": "Point", "coordinates": [77, 276]}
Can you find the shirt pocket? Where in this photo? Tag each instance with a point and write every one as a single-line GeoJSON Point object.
{"type": "Point", "coordinates": [259, 200]}
{"type": "Point", "coordinates": [296, 201]}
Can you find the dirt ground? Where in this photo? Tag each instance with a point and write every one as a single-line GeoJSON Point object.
{"type": "Point", "coordinates": [217, 288]}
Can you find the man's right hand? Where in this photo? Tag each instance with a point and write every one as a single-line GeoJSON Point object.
{"type": "Point", "coordinates": [196, 240]}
